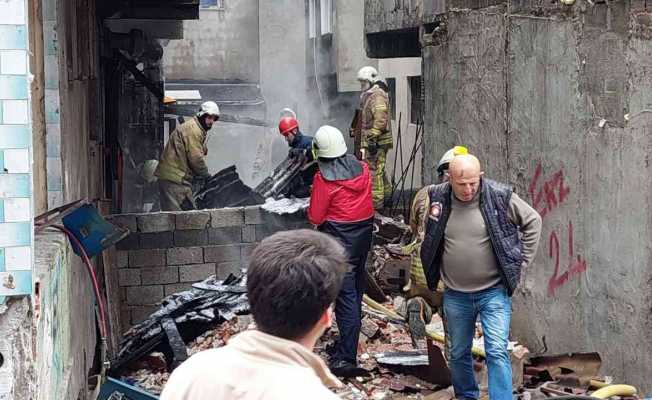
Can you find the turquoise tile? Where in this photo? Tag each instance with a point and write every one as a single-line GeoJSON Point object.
{"type": "Point", "coordinates": [15, 137]}
{"type": "Point", "coordinates": [15, 234]}
{"type": "Point", "coordinates": [1, 111]}
{"type": "Point", "coordinates": [21, 285]}
{"type": "Point", "coordinates": [2, 161]}
{"type": "Point", "coordinates": [13, 87]}
{"type": "Point", "coordinates": [2, 211]}
{"type": "Point", "coordinates": [2, 259]}
{"type": "Point", "coordinates": [14, 185]}
{"type": "Point", "coordinates": [52, 107]}
{"type": "Point", "coordinates": [13, 37]}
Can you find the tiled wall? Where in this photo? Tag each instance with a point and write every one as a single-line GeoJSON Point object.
{"type": "Point", "coordinates": [15, 152]}
{"type": "Point", "coordinates": [52, 106]}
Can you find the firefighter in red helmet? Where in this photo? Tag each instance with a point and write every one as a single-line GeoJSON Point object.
{"type": "Point", "coordinates": [300, 146]}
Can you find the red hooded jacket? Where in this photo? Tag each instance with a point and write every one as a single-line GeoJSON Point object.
{"type": "Point", "coordinates": [346, 200]}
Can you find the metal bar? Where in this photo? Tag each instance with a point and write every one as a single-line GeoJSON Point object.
{"type": "Point", "coordinates": [178, 346]}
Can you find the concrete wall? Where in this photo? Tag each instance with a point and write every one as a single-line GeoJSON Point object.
{"type": "Point", "coordinates": [167, 252]}
{"type": "Point", "coordinates": [349, 44]}
{"type": "Point", "coordinates": [222, 44]}
{"type": "Point", "coordinates": [63, 315]}
{"type": "Point", "coordinates": [400, 69]}
{"type": "Point", "coordinates": [527, 94]}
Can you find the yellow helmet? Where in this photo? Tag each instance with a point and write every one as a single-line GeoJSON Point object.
{"type": "Point", "coordinates": [448, 156]}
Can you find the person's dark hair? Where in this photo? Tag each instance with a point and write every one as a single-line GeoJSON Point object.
{"type": "Point", "coordinates": [292, 278]}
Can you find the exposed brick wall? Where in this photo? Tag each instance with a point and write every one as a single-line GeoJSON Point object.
{"type": "Point", "coordinates": [166, 252]}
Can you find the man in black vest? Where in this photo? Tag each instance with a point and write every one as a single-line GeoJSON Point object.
{"type": "Point", "coordinates": [479, 235]}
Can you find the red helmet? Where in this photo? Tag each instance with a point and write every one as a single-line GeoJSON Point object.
{"type": "Point", "coordinates": [286, 125]}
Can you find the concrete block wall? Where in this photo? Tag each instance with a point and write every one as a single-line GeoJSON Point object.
{"type": "Point", "coordinates": [167, 252]}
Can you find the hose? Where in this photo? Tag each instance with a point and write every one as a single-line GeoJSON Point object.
{"type": "Point", "coordinates": [614, 390]}
{"type": "Point", "coordinates": [381, 308]}
{"type": "Point", "coordinates": [96, 288]}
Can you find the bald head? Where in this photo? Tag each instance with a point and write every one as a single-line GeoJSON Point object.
{"type": "Point", "coordinates": [464, 165]}
{"type": "Point", "coordinates": [465, 176]}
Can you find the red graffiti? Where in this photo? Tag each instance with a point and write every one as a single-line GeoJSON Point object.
{"type": "Point", "coordinates": [576, 265]}
{"type": "Point", "coordinates": [552, 193]}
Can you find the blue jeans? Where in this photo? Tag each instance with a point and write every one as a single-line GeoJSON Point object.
{"type": "Point", "coordinates": [461, 310]}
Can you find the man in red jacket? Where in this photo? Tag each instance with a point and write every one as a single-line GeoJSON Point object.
{"type": "Point", "coordinates": [341, 205]}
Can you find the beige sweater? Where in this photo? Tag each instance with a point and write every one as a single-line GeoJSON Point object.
{"type": "Point", "coordinates": [252, 366]}
{"type": "Point", "coordinates": [468, 262]}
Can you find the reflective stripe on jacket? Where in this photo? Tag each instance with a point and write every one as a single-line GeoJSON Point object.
{"type": "Point", "coordinates": [376, 126]}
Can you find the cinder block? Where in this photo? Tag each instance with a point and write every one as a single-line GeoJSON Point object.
{"type": "Point", "coordinates": [196, 273]}
{"type": "Point", "coordinates": [122, 259]}
{"type": "Point", "coordinates": [156, 240]}
{"type": "Point", "coordinates": [225, 235]}
{"type": "Point", "coordinates": [226, 268]}
{"type": "Point", "coordinates": [245, 253]}
{"type": "Point", "coordinates": [227, 217]}
{"type": "Point", "coordinates": [263, 231]}
{"type": "Point", "coordinates": [177, 287]}
{"type": "Point", "coordinates": [192, 220]}
{"type": "Point", "coordinates": [125, 318]}
{"type": "Point", "coordinates": [146, 258]}
{"type": "Point", "coordinates": [144, 295]}
{"type": "Point", "coordinates": [141, 313]}
{"type": "Point", "coordinates": [218, 254]}
{"type": "Point", "coordinates": [130, 242]}
{"type": "Point", "coordinates": [155, 222]}
{"type": "Point", "coordinates": [185, 255]}
{"type": "Point", "coordinates": [194, 237]}
{"type": "Point", "coordinates": [125, 221]}
{"type": "Point", "coordinates": [129, 277]}
{"type": "Point", "coordinates": [253, 215]}
{"type": "Point", "coordinates": [248, 233]}
{"type": "Point", "coordinates": [159, 275]}
{"type": "Point", "coordinates": [123, 295]}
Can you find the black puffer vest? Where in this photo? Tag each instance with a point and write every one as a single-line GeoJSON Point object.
{"type": "Point", "coordinates": [505, 239]}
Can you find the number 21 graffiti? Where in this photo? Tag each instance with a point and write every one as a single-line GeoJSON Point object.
{"type": "Point", "coordinates": [552, 193]}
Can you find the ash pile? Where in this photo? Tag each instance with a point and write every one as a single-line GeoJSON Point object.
{"type": "Point", "coordinates": [400, 363]}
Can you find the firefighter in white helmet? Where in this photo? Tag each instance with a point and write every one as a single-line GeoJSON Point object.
{"type": "Point", "coordinates": [183, 159]}
{"type": "Point", "coordinates": [340, 205]}
{"type": "Point", "coordinates": [376, 131]}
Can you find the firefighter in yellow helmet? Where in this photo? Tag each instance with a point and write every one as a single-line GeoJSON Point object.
{"type": "Point", "coordinates": [421, 300]}
{"type": "Point", "coordinates": [376, 138]}
{"type": "Point", "coordinates": [183, 159]}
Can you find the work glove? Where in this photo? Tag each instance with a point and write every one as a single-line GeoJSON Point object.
{"type": "Point", "coordinates": [372, 148]}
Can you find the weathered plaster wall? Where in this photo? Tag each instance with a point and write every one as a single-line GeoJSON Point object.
{"type": "Point", "coordinates": [527, 94]}
{"type": "Point", "coordinates": [64, 320]}
{"type": "Point", "coordinates": [221, 44]}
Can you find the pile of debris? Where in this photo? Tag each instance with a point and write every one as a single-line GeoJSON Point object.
{"type": "Point", "coordinates": [397, 367]}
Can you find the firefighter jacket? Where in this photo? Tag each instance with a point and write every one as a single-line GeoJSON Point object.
{"type": "Point", "coordinates": [376, 126]}
{"type": "Point", "coordinates": [184, 153]}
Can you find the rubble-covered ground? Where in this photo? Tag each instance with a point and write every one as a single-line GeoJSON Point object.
{"type": "Point", "coordinates": [396, 369]}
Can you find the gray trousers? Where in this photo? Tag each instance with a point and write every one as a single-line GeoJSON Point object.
{"type": "Point", "coordinates": [173, 196]}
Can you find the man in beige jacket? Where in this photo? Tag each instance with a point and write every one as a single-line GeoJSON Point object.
{"type": "Point", "coordinates": [293, 279]}
{"type": "Point", "coordinates": [183, 159]}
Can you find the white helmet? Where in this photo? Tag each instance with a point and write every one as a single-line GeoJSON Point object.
{"type": "Point", "coordinates": [329, 142]}
{"type": "Point", "coordinates": [369, 74]}
{"type": "Point", "coordinates": [209, 108]}
{"type": "Point", "coordinates": [449, 155]}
